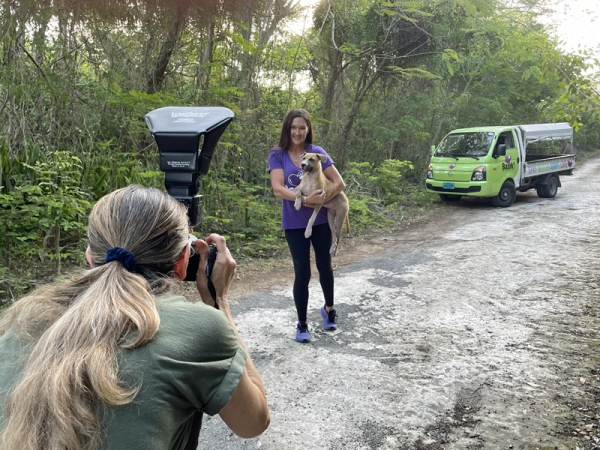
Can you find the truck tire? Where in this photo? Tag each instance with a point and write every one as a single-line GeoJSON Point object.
{"type": "Point", "coordinates": [549, 189]}
{"type": "Point", "coordinates": [450, 198]}
{"type": "Point", "coordinates": [506, 196]}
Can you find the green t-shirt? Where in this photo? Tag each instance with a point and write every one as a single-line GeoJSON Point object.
{"type": "Point", "coordinates": [193, 363]}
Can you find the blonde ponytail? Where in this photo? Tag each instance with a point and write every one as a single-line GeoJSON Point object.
{"type": "Point", "coordinates": [76, 328]}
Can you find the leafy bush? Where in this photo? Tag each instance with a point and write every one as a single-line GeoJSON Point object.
{"type": "Point", "coordinates": [248, 216]}
{"type": "Point", "coordinates": [43, 216]}
{"type": "Point", "coordinates": [379, 195]}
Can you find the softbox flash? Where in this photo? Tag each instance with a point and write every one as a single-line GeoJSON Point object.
{"type": "Point", "coordinates": [178, 131]}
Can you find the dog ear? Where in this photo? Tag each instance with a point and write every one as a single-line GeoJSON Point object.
{"type": "Point", "coordinates": [303, 155]}
{"type": "Point", "coordinates": [323, 158]}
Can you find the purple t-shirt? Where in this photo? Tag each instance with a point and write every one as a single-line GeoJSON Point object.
{"type": "Point", "coordinates": [290, 218]}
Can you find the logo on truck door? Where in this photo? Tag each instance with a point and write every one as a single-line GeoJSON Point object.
{"type": "Point", "coordinates": [508, 164]}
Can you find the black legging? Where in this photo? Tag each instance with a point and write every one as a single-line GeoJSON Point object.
{"type": "Point", "coordinates": [300, 251]}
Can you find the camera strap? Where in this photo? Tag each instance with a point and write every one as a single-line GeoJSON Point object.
{"type": "Point", "coordinates": [192, 443]}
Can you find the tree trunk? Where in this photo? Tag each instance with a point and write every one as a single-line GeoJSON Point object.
{"type": "Point", "coordinates": [205, 70]}
{"type": "Point", "coordinates": [335, 65]}
{"type": "Point", "coordinates": [157, 77]}
{"type": "Point", "coordinates": [264, 27]}
{"type": "Point", "coordinates": [363, 86]}
{"type": "Point", "coordinates": [57, 246]}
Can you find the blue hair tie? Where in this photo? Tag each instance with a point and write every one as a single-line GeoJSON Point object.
{"type": "Point", "coordinates": [121, 255]}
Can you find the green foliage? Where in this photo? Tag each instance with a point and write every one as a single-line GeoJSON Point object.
{"type": "Point", "coordinates": [244, 44]}
{"type": "Point", "coordinates": [43, 216]}
{"type": "Point", "coordinates": [383, 81]}
{"type": "Point", "coordinates": [238, 211]}
{"type": "Point", "coordinates": [379, 194]}
{"type": "Point", "coordinates": [366, 214]}
{"type": "Point", "coordinates": [413, 72]}
{"type": "Point", "coordinates": [390, 176]}
{"type": "Point", "coordinates": [13, 284]}
{"type": "Point", "coordinates": [38, 207]}
{"type": "Point", "coordinates": [578, 101]}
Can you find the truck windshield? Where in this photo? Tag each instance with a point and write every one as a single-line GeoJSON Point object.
{"type": "Point", "coordinates": [465, 144]}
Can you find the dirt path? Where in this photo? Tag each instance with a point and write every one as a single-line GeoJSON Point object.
{"type": "Point", "coordinates": [477, 329]}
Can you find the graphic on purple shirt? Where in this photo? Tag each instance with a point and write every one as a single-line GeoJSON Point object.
{"type": "Point", "coordinates": [290, 218]}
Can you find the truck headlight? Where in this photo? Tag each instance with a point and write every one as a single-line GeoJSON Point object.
{"type": "Point", "coordinates": [478, 174]}
{"type": "Point", "coordinates": [430, 173]}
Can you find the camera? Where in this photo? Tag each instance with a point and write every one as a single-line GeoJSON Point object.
{"type": "Point", "coordinates": [187, 137]}
{"type": "Point", "coordinates": [194, 261]}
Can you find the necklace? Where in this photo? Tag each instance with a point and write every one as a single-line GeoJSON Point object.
{"type": "Point", "coordinates": [295, 158]}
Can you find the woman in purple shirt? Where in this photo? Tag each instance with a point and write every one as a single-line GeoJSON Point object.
{"type": "Point", "coordinates": [284, 168]}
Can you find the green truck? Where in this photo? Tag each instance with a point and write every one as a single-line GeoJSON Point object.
{"type": "Point", "coordinates": [496, 162]}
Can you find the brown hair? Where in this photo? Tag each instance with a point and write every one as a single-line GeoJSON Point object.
{"type": "Point", "coordinates": [74, 329]}
{"type": "Point", "coordinates": [286, 128]}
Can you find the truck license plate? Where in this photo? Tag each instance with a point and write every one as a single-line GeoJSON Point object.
{"type": "Point", "coordinates": [447, 185]}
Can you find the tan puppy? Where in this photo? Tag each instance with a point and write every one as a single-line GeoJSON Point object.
{"type": "Point", "coordinates": [313, 179]}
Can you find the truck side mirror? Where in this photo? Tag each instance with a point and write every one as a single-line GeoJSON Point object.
{"type": "Point", "coordinates": [500, 150]}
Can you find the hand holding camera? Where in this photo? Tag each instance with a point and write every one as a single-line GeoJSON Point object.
{"type": "Point", "coordinates": [202, 261]}
{"type": "Point", "coordinates": [215, 270]}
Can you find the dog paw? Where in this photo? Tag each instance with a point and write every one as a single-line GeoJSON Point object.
{"type": "Point", "coordinates": [297, 205]}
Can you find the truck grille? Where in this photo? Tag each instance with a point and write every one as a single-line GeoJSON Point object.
{"type": "Point", "coordinates": [455, 190]}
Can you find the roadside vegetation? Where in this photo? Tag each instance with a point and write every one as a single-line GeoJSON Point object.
{"type": "Point", "coordinates": [383, 80]}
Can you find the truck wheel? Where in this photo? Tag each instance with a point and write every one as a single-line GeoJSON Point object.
{"type": "Point", "coordinates": [506, 196]}
{"type": "Point", "coordinates": [450, 198]}
{"type": "Point", "coordinates": [549, 189]}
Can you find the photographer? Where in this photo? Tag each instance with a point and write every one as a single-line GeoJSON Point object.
{"type": "Point", "coordinates": [111, 359]}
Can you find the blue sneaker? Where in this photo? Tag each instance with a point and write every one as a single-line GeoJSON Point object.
{"type": "Point", "coordinates": [329, 322]}
{"type": "Point", "coordinates": [302, 334]}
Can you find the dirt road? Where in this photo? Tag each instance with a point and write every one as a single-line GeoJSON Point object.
{"type": "Point", "coordinates": [478, 329]}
